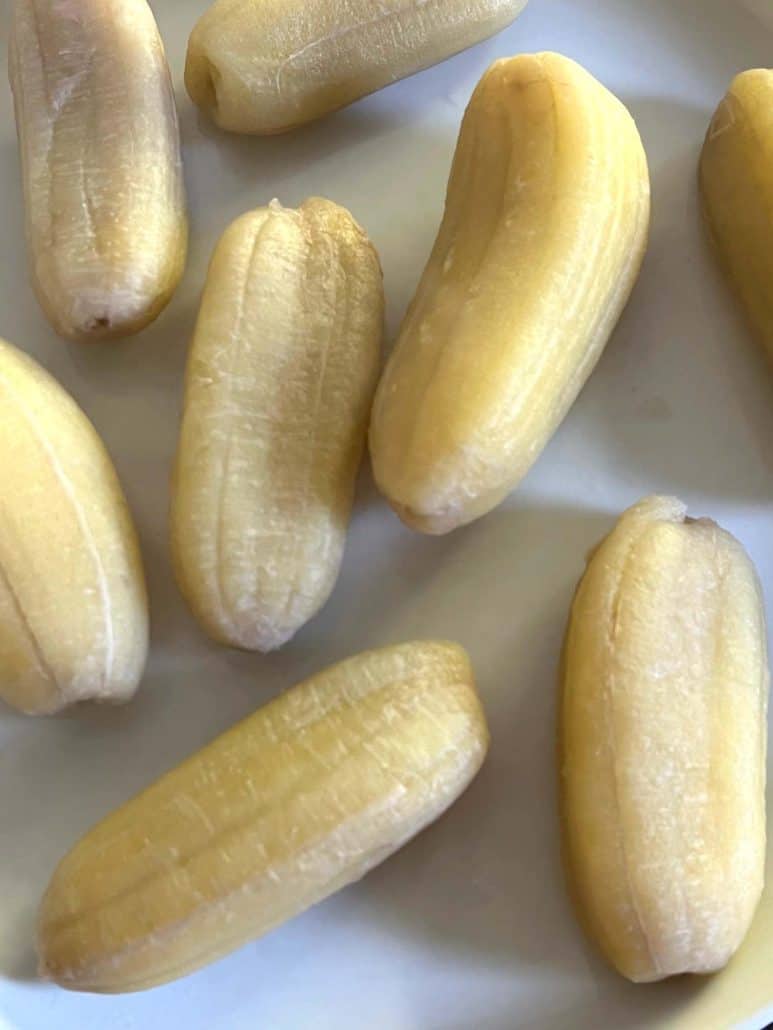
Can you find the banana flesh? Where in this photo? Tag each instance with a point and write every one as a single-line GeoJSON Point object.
{"type": "Point", "coordinates": [73, 608]}
{"type": "Point", "coordinates": [266, 66]}
{"type": "Point", "coordinates": [663, 739]}
{"type": "Point", "coordinates": [299, 800]}
{"type": "Point", "coordinates": [736, 177]}
{"type": "Point", "coordinates": [100, 159]}
{"type": "Point", "coordinates": [280, 381]}
{"type": "Point", "coordinates": [545, 229]}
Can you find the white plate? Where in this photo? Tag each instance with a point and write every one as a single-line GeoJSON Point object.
{"type": "Point", "coordinates": [469, 927]}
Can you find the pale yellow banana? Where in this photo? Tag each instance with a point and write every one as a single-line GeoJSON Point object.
{"type": "Point", "coordinates": [280, 379]}
{"type": "Point", "coordinates": [100, 160]}
{"type": "Point", "coordinates": [663, 737]}
{"type": "Point", "coordinates": [302, 798]}
{"type": "Point", "coordinates": [266, 66]}
{"type": "Point", "coordinates": [73, 610]}
{"type": "Point", "coordinates": [544, 232]}
{"type": "Point", "coordinates": [736, 175]}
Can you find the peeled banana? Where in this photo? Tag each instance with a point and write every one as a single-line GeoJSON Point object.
{"type": "Point", "coordinates": [299, 800]}
{"type": "Point", "coordinates": [266, 66]}
{"type": "Point", "coordinates": [663, 738]}
{"type": "Point", "coordinates": [100, 160]}
{"type": "Point", "coordinates": [544, 232]}
{"type": "Point", "coordinates": [736, 176]}
{"type": "Point", "coordinates": [73, 609]}
{"type": "Point", "coordinates": [280, 379]}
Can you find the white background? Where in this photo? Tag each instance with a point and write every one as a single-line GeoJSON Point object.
{"type": "Point", "coordinates": [469, 927]}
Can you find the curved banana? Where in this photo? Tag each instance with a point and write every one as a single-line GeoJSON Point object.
{"type": "Point", "coordinates": [736, 177]}
{"type": "Point", "coordinates": [663, 738]}
{"type": "Point", "coordinates": [544, 232]}
{"type": "Point", "coordinates": [299, 800]}
{"type": "Point", "coordinates": [73, 609]}
{"type": "Point", "coordinates": [267, 66]}
{"type": "Point", "coordinates": [280, 380]}
{"type": "Point", "coordinates": [100, 159]}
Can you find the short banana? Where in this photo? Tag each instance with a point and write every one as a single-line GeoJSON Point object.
{"type": "Point", "coordinates": [663, 737]}
{"type": "Point", "coordinates": [296, 802]}
{"type": "Point", "coordinates": [100, 161]}
{"type": "Point", "coordinates": [266, 66]}
{"type": "Point", "coordinates": [736, 176]}
{"type": "Point", "coordinates": [544, 232]}
{"type": "Point", "coordinates": [73, 610]}
{"type": "Point", "coordinates": [280, 380]}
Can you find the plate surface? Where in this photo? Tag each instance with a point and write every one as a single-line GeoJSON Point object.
{"type": "Point", "coordinates": [468, 927]}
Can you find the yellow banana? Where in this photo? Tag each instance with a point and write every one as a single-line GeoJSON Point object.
{"type": "Point", "coordinates": [266, 66]}
{"type": "Point", "coordinates": [280, 379]}
{"type": "Point", "coordinates": [73, 609]}
{"type": "Point", "coordinates": [100, 159]}
{"type": "Point", "coordinates": [663, 737]}
{"type": "Point", "coordinates": [299, 800]}
{"type": "Point", "coordinates": [544, 231]}
{"type": "Point", "coordinates": [736, 176]}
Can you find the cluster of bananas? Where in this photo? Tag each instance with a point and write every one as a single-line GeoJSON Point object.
{"type": "Point", "coordinates": [665, 674]}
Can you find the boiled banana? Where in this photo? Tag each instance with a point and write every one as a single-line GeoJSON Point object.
{"type": "Point", "coordinates": [544, 232]}
{"type": "Point", "coordinates": [296, 802]}
{"type": "Point", "coordinates": [736, 176]}
{"type": "Point", "coordinates": [100, 160]}
{"type": "Point", "coordinates": [266, 66]}
{"type": "Point", "coordinates": [663, 739]}
{"type": "Point", "coordinates": [280, 379]}
{"type": "Point", "coordinates": [73, 609]}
